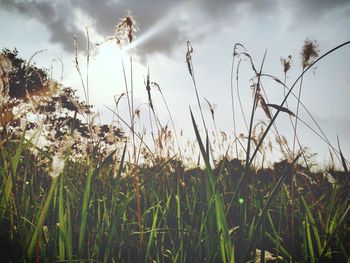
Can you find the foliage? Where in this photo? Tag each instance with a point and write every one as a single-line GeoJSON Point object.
{"type": "Point", "coordinates": [47, 110]}
{"type": "Point", "coordinates": [68, 193]}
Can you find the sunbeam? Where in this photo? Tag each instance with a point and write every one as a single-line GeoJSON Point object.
{"type": "Point", "coordinates": [162, 24]}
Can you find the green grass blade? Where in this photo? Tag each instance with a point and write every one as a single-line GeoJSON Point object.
{"type": "Point", "coordinates": [179, 221]}
{"type": "Point", "coordinates": [313, 225]}
{"type": "Point", "coordinates": [262, 214]}
{"type": "Point", "coordinates": [9, 177]}
{"type": "Point", "coordinates": [84, 211]}
{"type": "Point", "coordinates": [199, 140]}
{"type": "Point", "coordinates": [332, 236]}
{"type": "Point", "coordinates": [309, 240]}
{"type": "Point", "coordinates": [61, 220]}
{"type": "Point", "coordinates": [282, 250]}
{"type": "Point", "coordinates": [226, 247]}
{"type": "Point", "coordinates": [113, 229]}
{"type": "Point", "coordinates": [153, 234]}
{"type": "Point", "coordinates": [68, 235]}
{"type": "Point", "coordinates": [42, 216]}
{"type": "Point", "coordinates": [115, 214]}
{"type": "Point", "coordinates": [16, 158]}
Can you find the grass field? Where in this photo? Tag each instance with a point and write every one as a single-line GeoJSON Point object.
{"type": "Point", "coordinates": [76, 191]}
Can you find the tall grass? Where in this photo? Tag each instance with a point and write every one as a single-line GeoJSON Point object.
{"type": "Point", "coordinates": [114, 208]}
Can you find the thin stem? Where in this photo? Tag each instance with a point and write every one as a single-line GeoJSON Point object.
{"type": "Point", "coordinates": [191, 71]}
{"type": "Point", "coordinates": [289, 92]}
{"type": "Point", "coordinates": [233, 104]}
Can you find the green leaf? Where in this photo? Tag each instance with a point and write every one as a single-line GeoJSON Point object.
{"type": "Point", "coordinates": [84, 211]}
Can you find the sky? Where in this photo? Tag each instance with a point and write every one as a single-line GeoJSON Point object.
{"type": "Point", "coordinates": [278, 28]}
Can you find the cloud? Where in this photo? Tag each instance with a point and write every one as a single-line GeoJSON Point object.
{"type": "Point", "coordinates": [56, 17]}
{"type": "Point", "coordinates": [191, 20]}
{"type": "Point", "coordinates": [106, 14]}
{"type": "Point", "coordinates": [314, 8]}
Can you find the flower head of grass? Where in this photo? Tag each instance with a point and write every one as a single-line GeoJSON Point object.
{"type": "Point", "coordinates": [57, 166]}
{"type": "Point", "coordinates": [126, 30]}
{"type": "Point", "coordinates": [189, 58]}
{"type": "Point", "coordinates": [286, 63]}
{"type": "Point", "coordinates": [310, 51]}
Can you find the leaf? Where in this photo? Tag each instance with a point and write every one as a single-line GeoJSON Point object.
{"type": "Point", "coordinates": [39, 226]}
{"type": "Point", "coordinates": [332, 236]}
{"type": "Point", "coordinates": [280, 108]}
{"type": "Point", "coordinates": [278, 81]}
{"type": "Point", "coordinates": [84, 212]}
{"type": "Point", "coordinates": [264, 106]}
{"type": "Point", "coordinates": [226, 247]}
{"type": "Point", "coordinates": [342, 158]}
{"type": "Point", "coordinates": [265, 209]}
{"type": "Point", "coordinates": [312, 224]}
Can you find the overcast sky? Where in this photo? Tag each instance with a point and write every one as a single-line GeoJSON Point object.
{"type": "Point", "coordinates": [213, 27]}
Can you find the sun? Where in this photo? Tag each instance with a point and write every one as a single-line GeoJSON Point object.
{"type": "Point", "coordinates": [110, 73]}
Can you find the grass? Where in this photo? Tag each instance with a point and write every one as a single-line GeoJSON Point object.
{"type": "Point", "coordinates": [137, 203]}
{"type": "Point", "coordinates": [185, 215]}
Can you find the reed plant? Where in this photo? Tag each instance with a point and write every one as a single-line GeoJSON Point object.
{"type": "Point", "coordinates": [132, 202]}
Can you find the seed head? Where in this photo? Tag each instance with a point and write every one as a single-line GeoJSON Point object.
{"type": "Point", "coordinates": [57, 166]}
{"type": "Point", "coordinates": [125, 30]}
{"type": "Point", "coordinates": [286, 63]}
{"type": "Point", "coordinates": [310, 51]}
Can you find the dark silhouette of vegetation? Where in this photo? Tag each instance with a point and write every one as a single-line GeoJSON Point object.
{"type": "Point", "coordinates": [67, 187]}
{"type": "Point", "coordinates": [24, 79]}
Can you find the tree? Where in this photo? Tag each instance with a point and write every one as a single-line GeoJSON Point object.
{"type": "Point", "coordinates": [46, 109]}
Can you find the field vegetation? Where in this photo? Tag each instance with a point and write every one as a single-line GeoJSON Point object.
{"type": "Point", "coordinates": [73, 190]}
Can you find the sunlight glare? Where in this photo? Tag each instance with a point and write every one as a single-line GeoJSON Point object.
{"type": "Point", "coordinates": [165, 21]}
